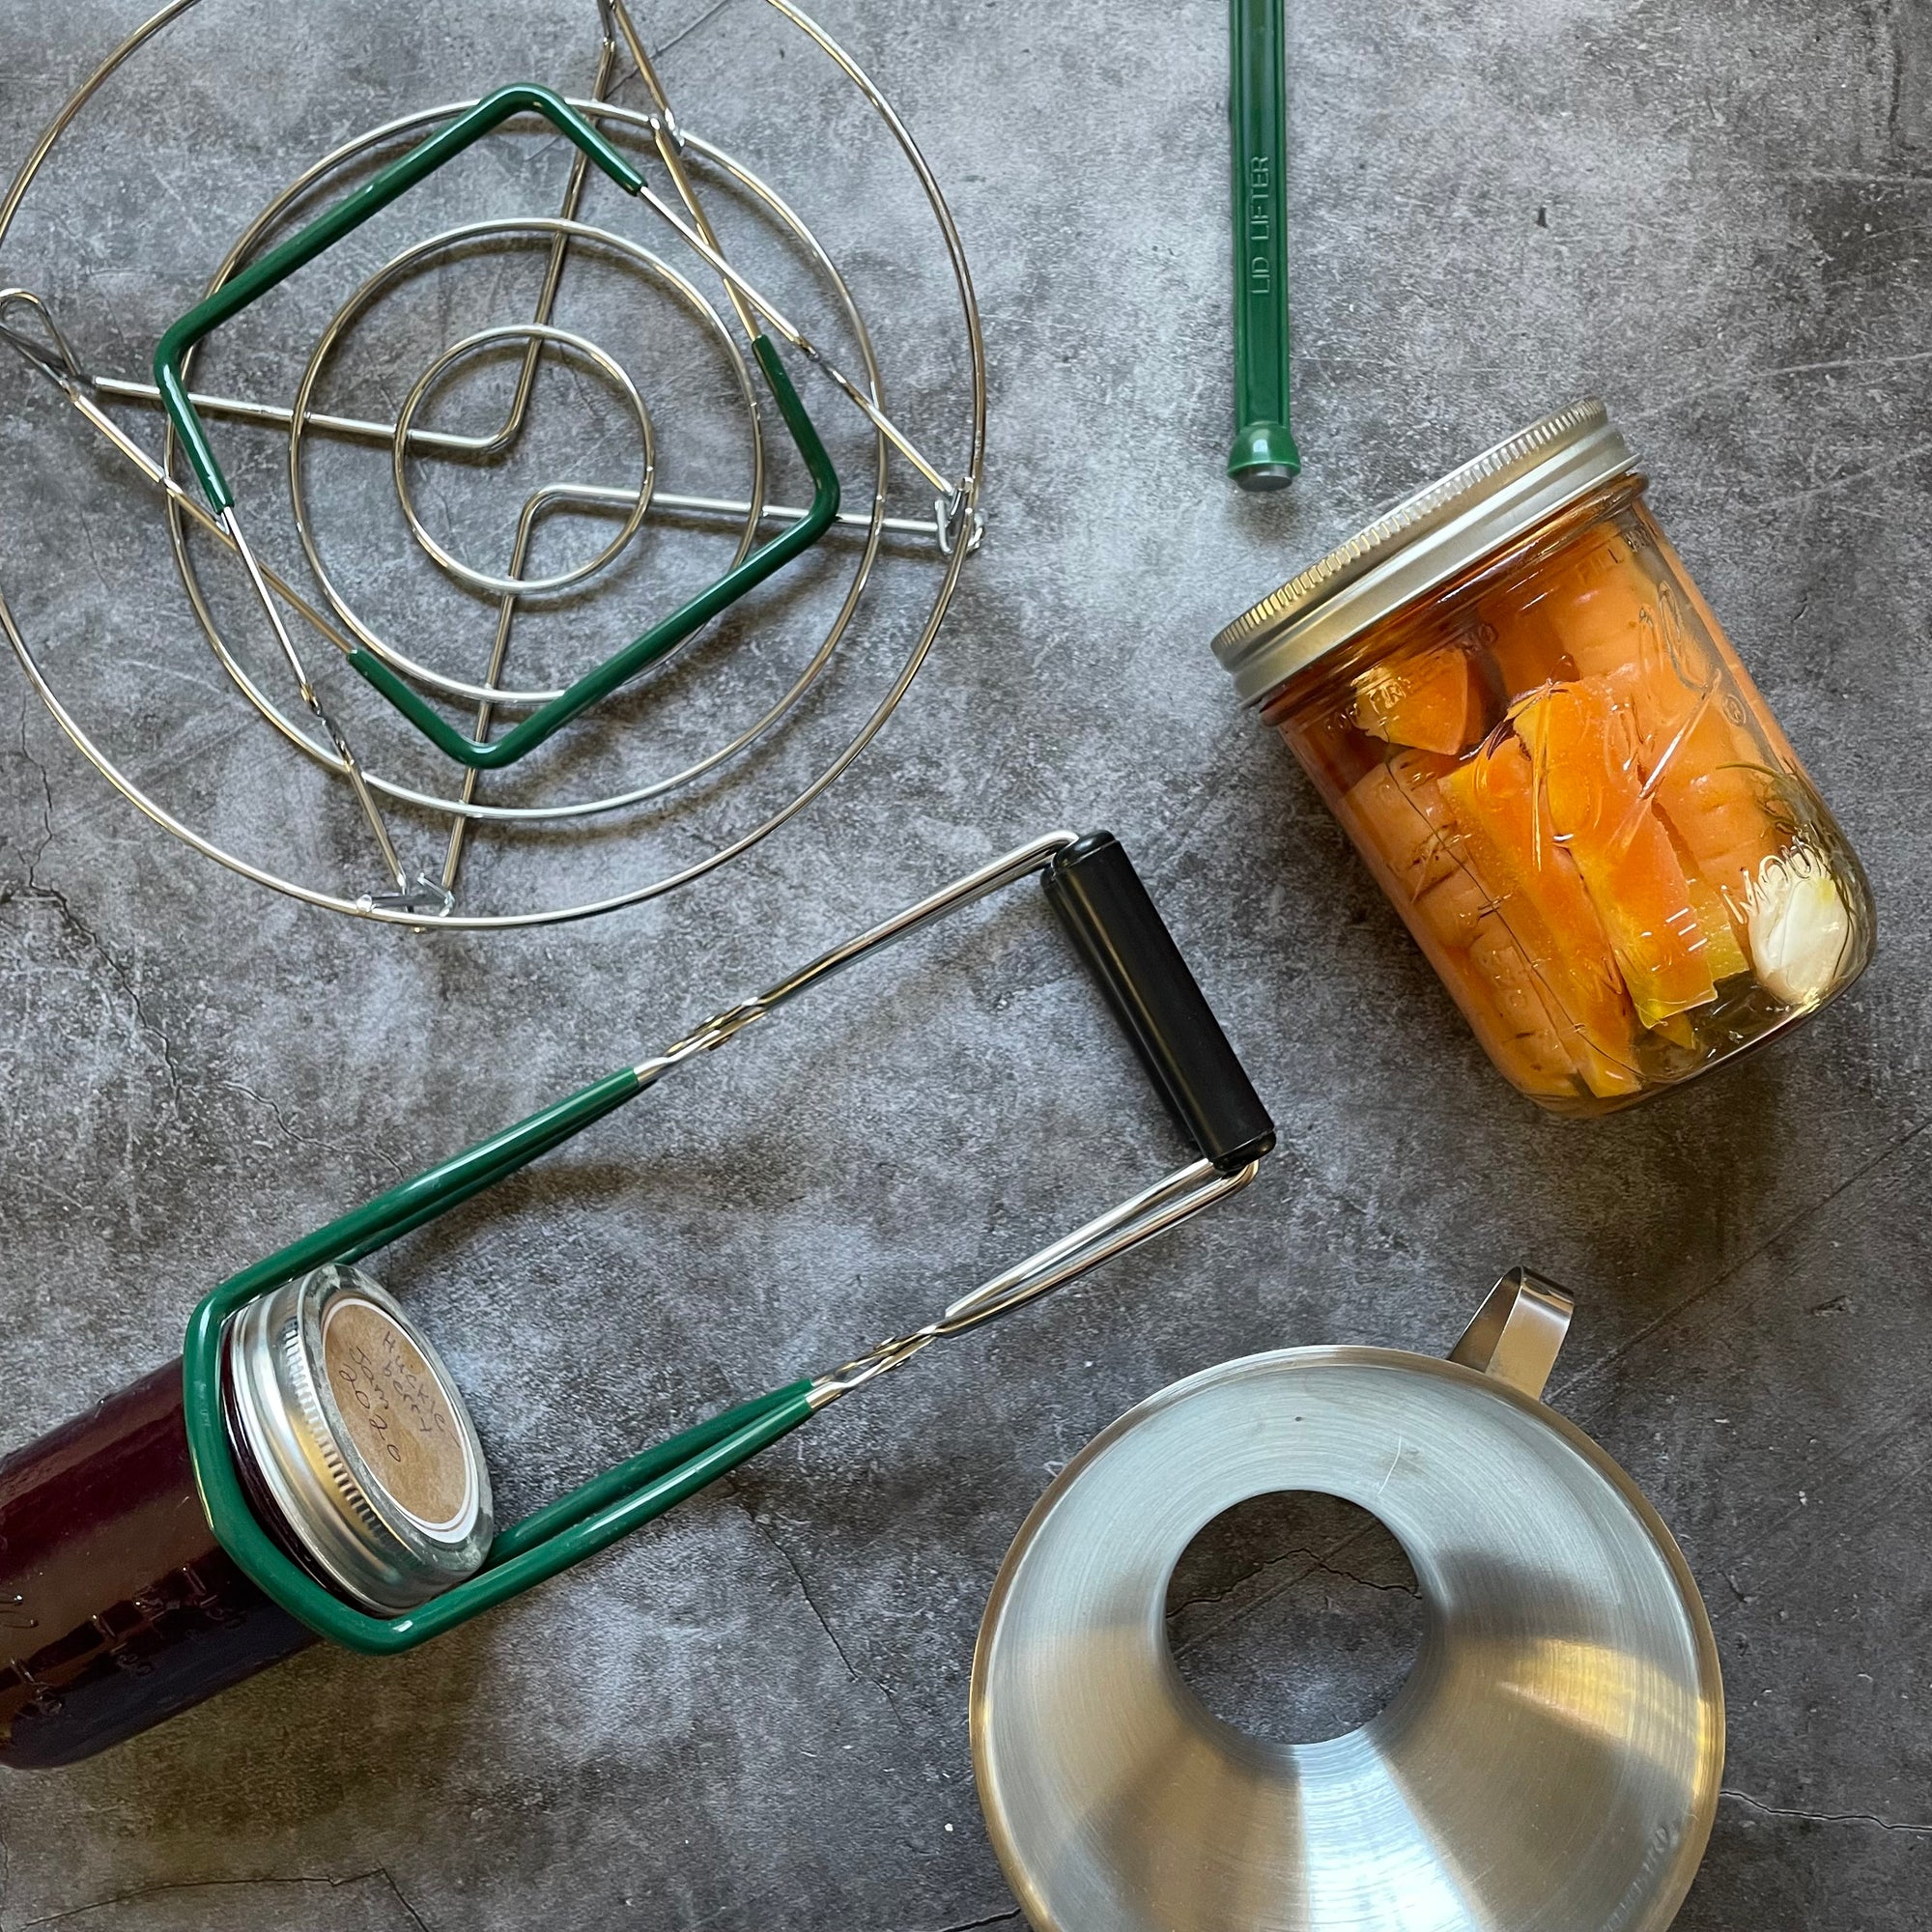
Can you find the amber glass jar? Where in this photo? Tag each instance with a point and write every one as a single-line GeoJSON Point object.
{"type": "Point", "coordinates": [1539, 739]}
{"type": "Point", "coordinates": [118, 1608]}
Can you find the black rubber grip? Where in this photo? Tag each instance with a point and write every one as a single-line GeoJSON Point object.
{"type": "Point", "coordinates": [1123, 940]}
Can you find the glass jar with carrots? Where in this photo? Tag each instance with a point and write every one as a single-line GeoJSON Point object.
{"type": "Point", "coordinates": [1535, 732]}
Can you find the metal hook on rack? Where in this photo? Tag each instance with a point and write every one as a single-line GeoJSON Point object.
{"type": "Point", "coordinates": [50, 353]}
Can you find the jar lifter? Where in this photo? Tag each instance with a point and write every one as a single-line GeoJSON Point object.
{"type": "Point", "coordinates": [1119, 936]}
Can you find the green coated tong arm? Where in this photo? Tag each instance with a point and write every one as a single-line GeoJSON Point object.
{"type": "Point", "coordinates": [1119, 934]}
{"type": "Point", "coordinates": [283, 261]}
{"type": "Point", "coordinates": [576, 1526]}
{"type": "Point", "coordinates": [349, 214]}
{"type": "Point", "coordinates": [490, 754]}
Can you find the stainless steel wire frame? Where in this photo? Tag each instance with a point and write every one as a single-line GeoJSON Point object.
{"type": "Point", "coordinates": [954, 527]}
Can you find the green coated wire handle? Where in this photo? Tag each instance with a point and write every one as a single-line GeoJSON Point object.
{"type": "Point", "coordinates": [402, 174]}
{"type": "Point", "coordinates": [1264, 456]}
{"type": "Point", "coordinates": [349, 214]}
{"type": "Point", "coordinates": [554, 1537]}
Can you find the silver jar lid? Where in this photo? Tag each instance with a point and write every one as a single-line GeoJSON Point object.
{"type": "Point", "coordinates": [1423, 542]}
{"type": "Point", "coordinates": [360, 1438]}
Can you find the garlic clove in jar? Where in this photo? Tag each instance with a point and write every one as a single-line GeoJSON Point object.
{"type": "Point", "coordinates": [1798, 927]}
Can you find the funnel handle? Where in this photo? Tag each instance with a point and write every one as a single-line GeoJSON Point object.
{"type": "Point", "coordinates": [1518, 1331]}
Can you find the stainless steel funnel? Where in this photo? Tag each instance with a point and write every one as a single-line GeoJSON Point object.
{"type": "Point", "coordinates": [1551, 1764]}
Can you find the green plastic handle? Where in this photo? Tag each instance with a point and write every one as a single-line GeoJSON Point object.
{"type": "Point", "coordinates": [281, 263]}
{"type": "Point", "coordinates": [589, 1518]}
{"type": "Point", "coordinates": [492, 754]}
{"type": "Point", "coordinates": [650, 1467]}
{"type": "Point", "coordinates": [1264, 456]}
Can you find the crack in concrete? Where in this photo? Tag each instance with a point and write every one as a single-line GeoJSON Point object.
{"type": "Point", "coordinates": [1316, 1564]}
{"type": "Point", "coordinates": [856, 1675]}
{"type": "Point", "coordinates": [301, 1140]}
{"type": "Point", "coordinates": [1908, 116]}
{"type": "Point", "coordinates": [1792, 1224]}
{"type": "Point", "coordinates": [975, 1924]}
{"type": "Point", "coordinates": [1895, 461]}
{"type": "Point", "coordinates": [388, 1878]}
{"type": "Point", "coordinates": [33, 889]}
{"type": "Point", "coordinates": [1824, 1817]}
{"type": "Point", "coordinates": [703, 19]}
{"type": "Point", "coordinates": [804, 1591]}
{"type": "Point", "coordinates": [1323, 1562]}
{"type": "Point", "coordinates": [167, 1887]}
{"type": "Point", "coordinates": [40, 771]}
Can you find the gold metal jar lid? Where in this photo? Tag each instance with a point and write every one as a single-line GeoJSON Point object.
{"type": "Point", "coordinates": [1423, 542]}
{"type": "Point", "coordinates": [358, 1440]}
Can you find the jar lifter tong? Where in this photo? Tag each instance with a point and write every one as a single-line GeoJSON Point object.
{"type": "Point", "coordinates": [1119, 936]}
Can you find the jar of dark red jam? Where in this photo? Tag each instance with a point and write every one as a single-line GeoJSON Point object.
{"type": "Point", "coordinates": [1538, 737]}
{"type": "Point", "coordinates": [118, 1607]}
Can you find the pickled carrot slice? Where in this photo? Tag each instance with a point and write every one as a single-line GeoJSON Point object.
{"type": "Point", "coordinates": [1722, 818]}
{"type": "Point", "coordinates": [1527, 656]}
{"type": "Point", "coordinates": [1706, 770]}
{"type": "Point", "coordinates": [1589, 781]}
{"type": "Point", "coordinates": [1596, 603]}
{"type": "Point", "coordinates": [1708, 773]}
{"type": "Point", "coordinates": [1725, 953]}
{"type": "Point", "coordinates": [1511, 1015]}
{"type": "Point", "coordinates": [1453, 908]}
{"type": "Point", "coordinates": [1541, 899]}
{"type": "Point", "coordinates": [1485, 968]}
{"type": "Point", "coordinates": [1512, 625]}
{"type": "Point", "coordinates": [1430, 702]}
{"type": "Point", "coordinates": [1396, 812]}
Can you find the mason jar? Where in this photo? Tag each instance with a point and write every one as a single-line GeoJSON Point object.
{"type": "Point", "coordinates": [118, 1605]}
{"type": "Point", "coordinates": [1538, 737]}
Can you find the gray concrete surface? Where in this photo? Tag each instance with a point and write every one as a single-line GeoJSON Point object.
{"type": "Point", "coordinates": [753, 1715]}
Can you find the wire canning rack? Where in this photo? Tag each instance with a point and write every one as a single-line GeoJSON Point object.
{"type": "Point", "coordinates": [473, 469]}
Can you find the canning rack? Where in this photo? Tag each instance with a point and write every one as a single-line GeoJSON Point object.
{"type": "Point", "coordinates": [444, 745]}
